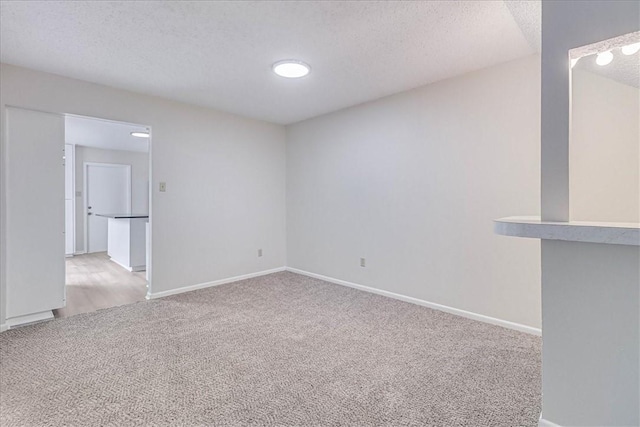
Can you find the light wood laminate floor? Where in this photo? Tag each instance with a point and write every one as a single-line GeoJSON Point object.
{"type": "Point", "coordinates": [95, 282]}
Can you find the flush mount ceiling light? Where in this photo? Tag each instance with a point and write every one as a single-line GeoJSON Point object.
{"type": "Point", "coordinates": [140, 134]}
{"type": "Point", "coordinates": [291, 68]}
{"type": "Point", "coordinates": [604, 58]}
{"type": "Point", "coordinates": [630, 49]}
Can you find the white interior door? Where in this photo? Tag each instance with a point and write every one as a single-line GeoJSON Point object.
{"type": "Point", "coordinates": [108, 191]}
{"type": "Point", "coordinates": [35, 270]}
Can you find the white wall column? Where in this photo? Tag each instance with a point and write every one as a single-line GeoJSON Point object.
{"type": "Point", "coordinates": [590, 298]}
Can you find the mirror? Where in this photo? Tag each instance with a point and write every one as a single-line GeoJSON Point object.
{"type": "Point", "coordinates": [604, 150]}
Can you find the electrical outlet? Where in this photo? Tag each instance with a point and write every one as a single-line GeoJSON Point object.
{"type": "Point", "coordinates": [363, 262]}
{"type": "Point", "coordinates": [259, 252]}
{"type": "Point", "coordinates": [163, 187]}
{"type": "Point", "coordinates": [78, 193]}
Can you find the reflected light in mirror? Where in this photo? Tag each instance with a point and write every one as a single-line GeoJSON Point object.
{"type": "Point", "coordinates": [604, 58]}
{"type": "Point", "coordinates": [631, 49]}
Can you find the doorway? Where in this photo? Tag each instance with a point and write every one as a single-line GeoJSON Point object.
{"type": "Point", "coordinates": [46, 215]}
{"type": "Point", "coordinates": [108, 265]}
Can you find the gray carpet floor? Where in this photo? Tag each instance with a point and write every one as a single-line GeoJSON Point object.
{"type": "Point", "coordinates": [282, 349]}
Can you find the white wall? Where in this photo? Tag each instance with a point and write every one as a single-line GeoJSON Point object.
{"type": "Point", "coordinates": [139, 163]}
{"type": "Point", "coordinates": [225, 177]}
{"type": "Point", "coordinates": [591, 304]}
{"type": "Point", "coordinates": [591, 337]}
{"type": "Point", "coordinates": [604, 152]}
{"type": "Point", "coordinates": [412, 183]}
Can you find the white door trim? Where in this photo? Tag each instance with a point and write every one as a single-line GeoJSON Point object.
{"type": "Point", "coordinates": [85, 198]}
{"type": "Point", "coordinates": [72, 158]}
{"type": "Point", "coordinates": [73, 194]}
{"type": "Point", "coordinates": [150, 245]}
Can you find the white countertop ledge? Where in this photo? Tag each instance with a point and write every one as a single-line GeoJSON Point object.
{"type": "Point", "coordinates": [613, 233]}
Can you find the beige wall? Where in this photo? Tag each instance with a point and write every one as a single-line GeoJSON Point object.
{"type": "Point", "coordinates": [604, 151]}
{"type": "Point", "coordinates": [412, 183]}
{"type": "Point", "coordinates": [139, 163]}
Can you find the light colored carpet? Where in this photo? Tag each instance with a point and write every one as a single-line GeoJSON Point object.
{"type": "Point", "coordinates": [282, 349]}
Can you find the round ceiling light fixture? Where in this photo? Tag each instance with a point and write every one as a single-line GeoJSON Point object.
{"type": "Point", "coordinates": [140, 134]}
{"type": "Point", "coordinates": [631, 49]}
{"type": "Point", "coordinates": [604, 58]}
{"type": "Point", "coordinates": [291, 68]}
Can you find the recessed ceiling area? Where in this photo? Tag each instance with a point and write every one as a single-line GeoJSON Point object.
{"type": "Point", "coordinates": [220, 54]}
{"type": "Point", "coordinates": [105, 134]}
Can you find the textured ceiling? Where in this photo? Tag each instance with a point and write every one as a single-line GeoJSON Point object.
{"type": "Point", "coordinates": [528, 16]}
{"type": "Point", "coordinates": [219, 54]}
{"type": "Point", "coordinates": [104, 134]}
{"type": "Point", "coordinates": [624, 69]}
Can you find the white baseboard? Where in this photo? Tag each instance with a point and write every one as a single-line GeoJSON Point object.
{"type": "Point", "coordinates": [14, 322]}
{"type": "Point", "coordinates": [80, 253]}
{"type": "Point", "coordinates": [155, 295]}
{"type": "Point", "coordinates": [133, 269]}
{"type": "Point", "coordinates": [451, 310]}
{"type": "Point", "coordinates": [544, 423]}
{"type": "Point", "coordinates": [447, 309]}
{"type": "Point", "coordinates": [120, 264]}
{"type": "Point", "coordinates": [3, 327]}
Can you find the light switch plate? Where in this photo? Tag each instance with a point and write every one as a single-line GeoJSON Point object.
{"type": "Point", "coordinates": [163, 187]}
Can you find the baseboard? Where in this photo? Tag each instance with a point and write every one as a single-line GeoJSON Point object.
{"type": "Point", "coordinates": [155, 295]}
{"type": "Point", "coordinates": [544, 423]}
{"type": "Point", "coordinates": [3, 327]}
{"type": "Point", "coordinates": [447, 309]}
{"type": "Point", "coordinates": [14, 322]}
{"type": "Point", "coordinates": [121, 265]}
{"type": "Point", "coordinates": [80, 253]}
{"type": "Point", "coordinates": [132, 269]}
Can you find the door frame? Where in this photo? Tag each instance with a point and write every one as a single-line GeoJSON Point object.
{"type": "Point", "coordinates": [85, 198]}
{"type": "Point", "coordinates": [74, 215]}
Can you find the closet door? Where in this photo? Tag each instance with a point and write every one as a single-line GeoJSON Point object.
{"type": "Point", "coordinates": [35, 214]}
